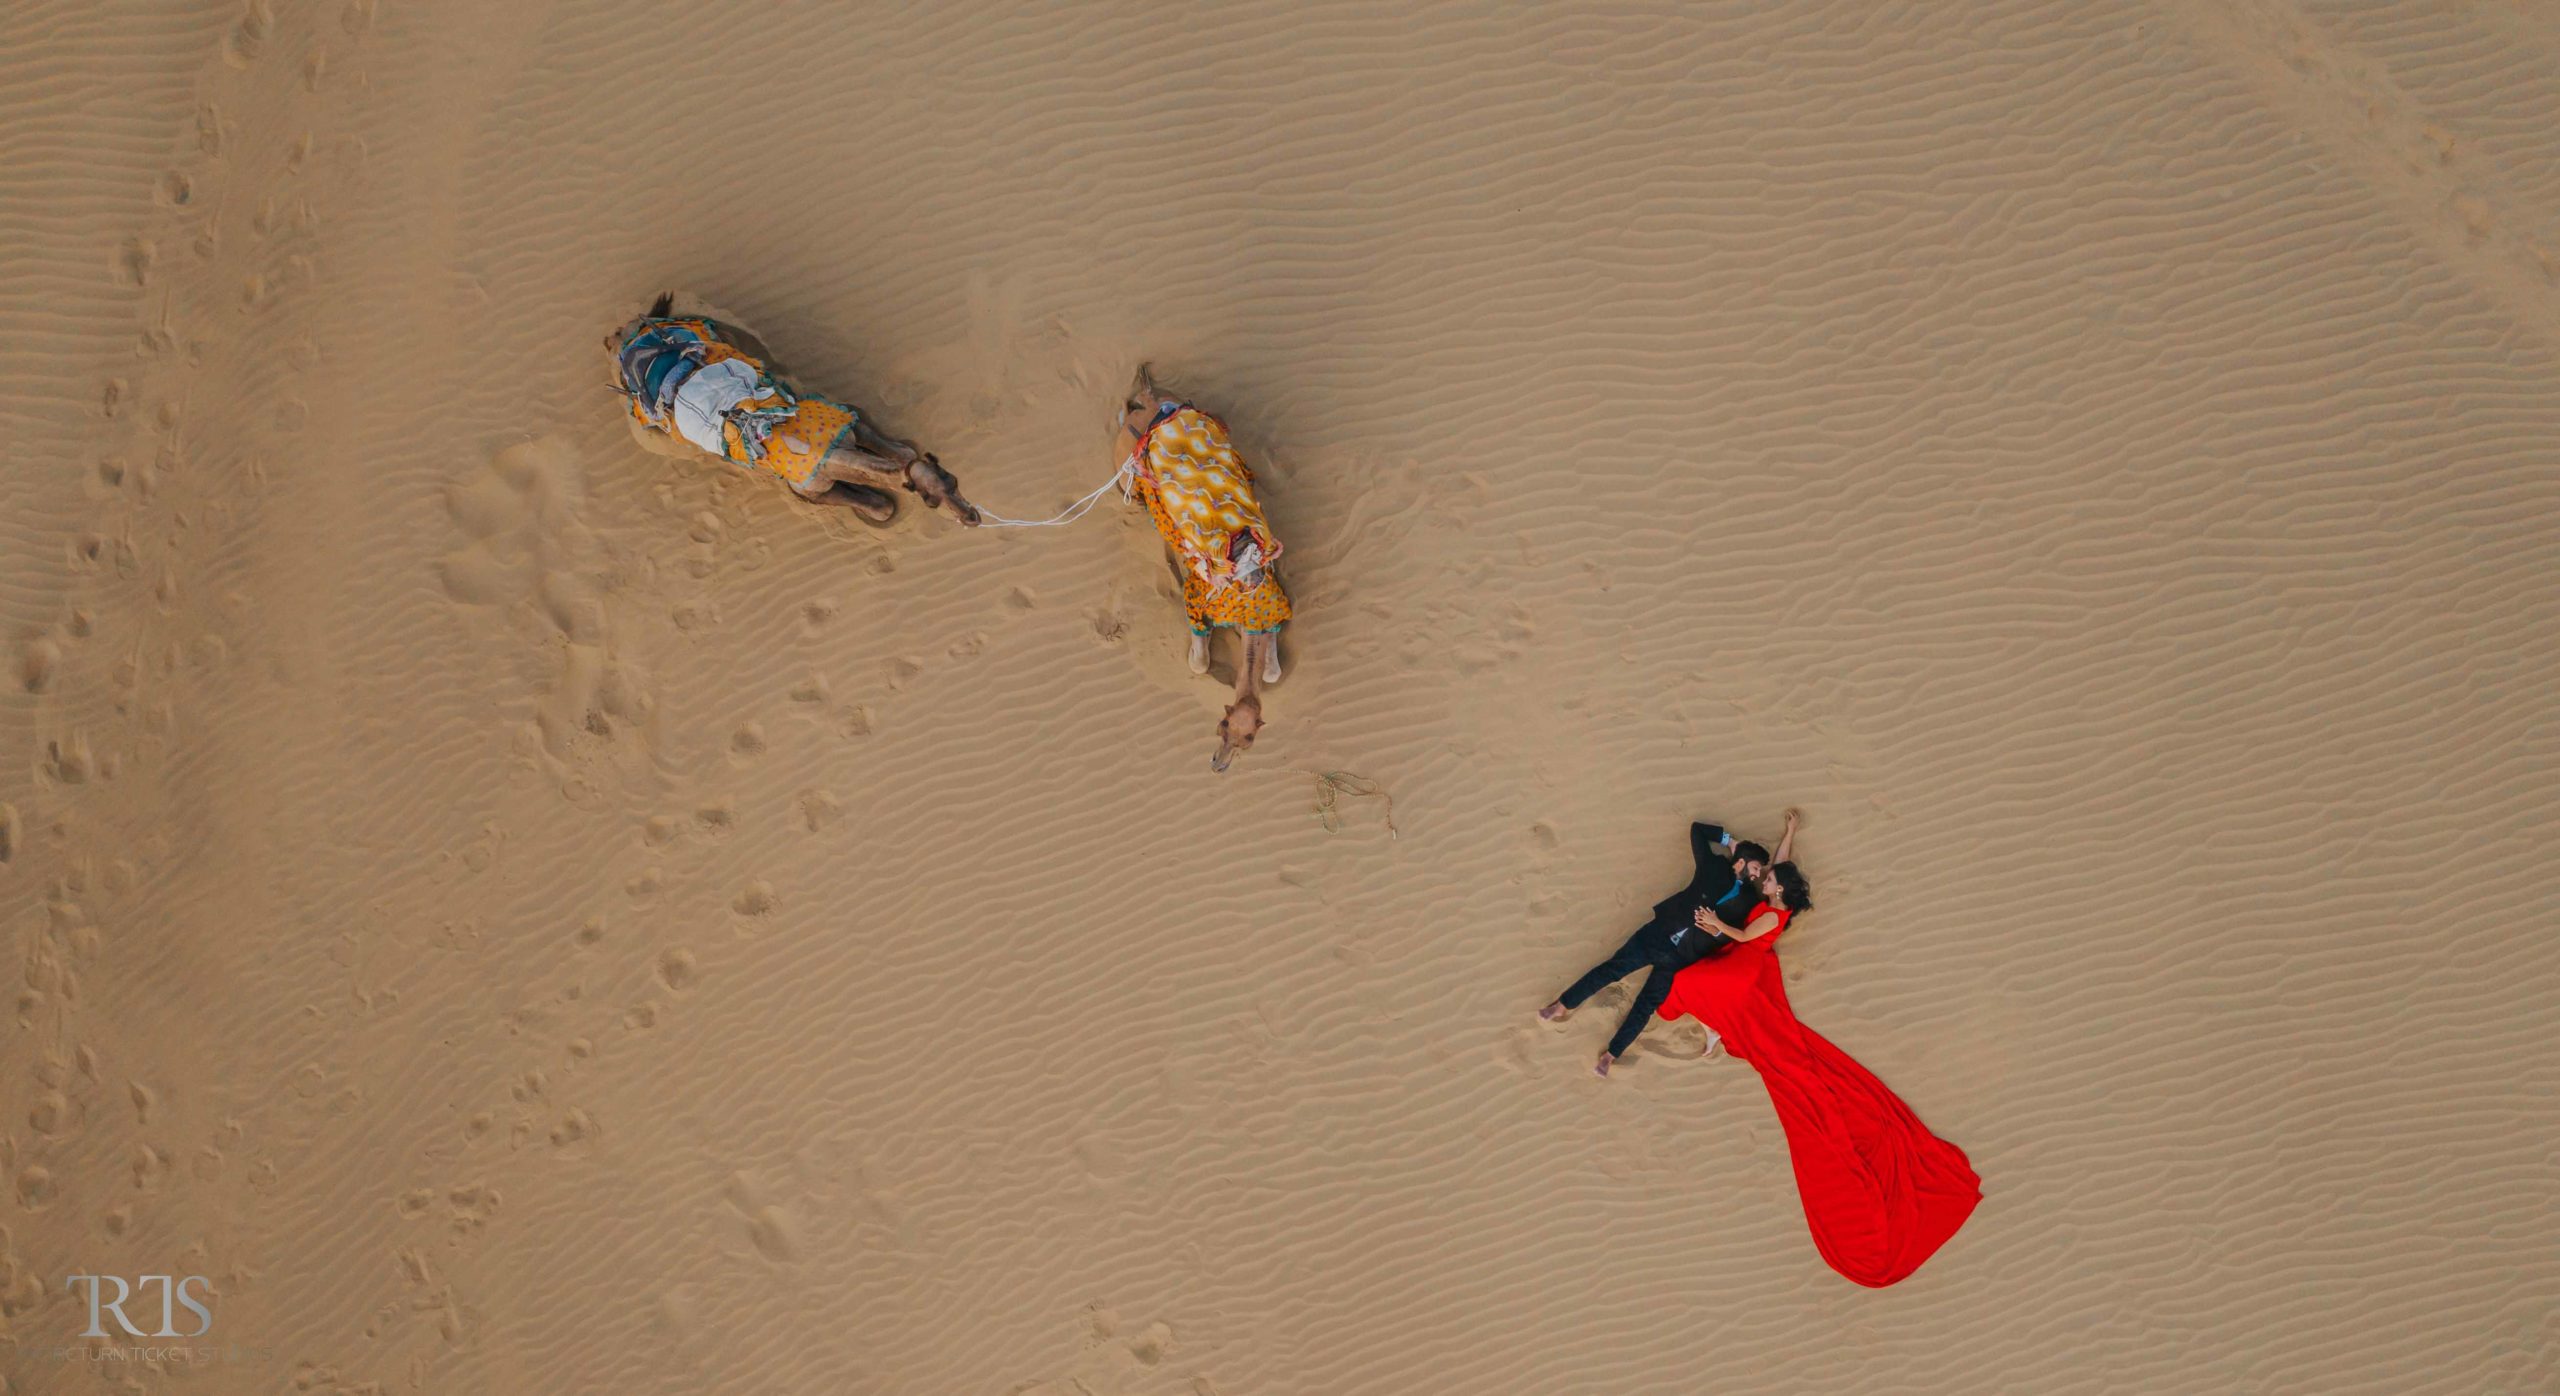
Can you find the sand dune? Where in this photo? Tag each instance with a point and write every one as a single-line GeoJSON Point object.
{"type": "Point", "coordinates": [521, 914]}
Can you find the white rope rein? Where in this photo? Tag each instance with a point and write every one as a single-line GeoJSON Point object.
{"type": "Point", "coordinates": [988, 518]}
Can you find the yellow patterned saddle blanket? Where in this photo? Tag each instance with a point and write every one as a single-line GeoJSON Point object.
{"type": "Point", "coordinates": [1200, 493]}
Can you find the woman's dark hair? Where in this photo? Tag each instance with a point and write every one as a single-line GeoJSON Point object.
{"type": "Point", "coordinates": [1749, 852]}
{"type": "Point", "coordinates": [659, 308]}
{"type": "Point", "coordinates": [1792, 887]}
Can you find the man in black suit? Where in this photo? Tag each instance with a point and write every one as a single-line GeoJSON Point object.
{"type": "Point", "coordinates": [1683, 931]}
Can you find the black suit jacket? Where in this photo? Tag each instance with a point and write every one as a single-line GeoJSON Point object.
{"type": "Point", "coordinates": [1713, 878]}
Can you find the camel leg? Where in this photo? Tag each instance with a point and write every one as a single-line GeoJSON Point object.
{"type": "Point", "coordinates": [865, 456]}
{"type": "Point", "coordinates": [868, 502]}
{"type": "Point", "coordinates": [892, 454]}
{"type": "Point", "coordinates": [1248, 668]}
{"type": "Point", "coordinates": [1243, 719]}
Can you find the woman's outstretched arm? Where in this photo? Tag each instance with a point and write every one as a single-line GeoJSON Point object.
{"type": "Point", "coordinates": [1787, 840]}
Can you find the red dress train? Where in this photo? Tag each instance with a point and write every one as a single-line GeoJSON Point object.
{"type": "Point", "coordinates": [1881, 1192]}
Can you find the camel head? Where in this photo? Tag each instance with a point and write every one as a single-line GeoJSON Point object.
{"type": "Point", "coordinates": [1236, 730]}
{"type": "Point", "coordinates": [1138, 408]}
{"type": "Point", "coordinates": [659, 309]}
{"type": "Point", "coordinates": [927, 478]}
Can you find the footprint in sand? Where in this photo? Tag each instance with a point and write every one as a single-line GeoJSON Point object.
{"type": "Point", "coordinates": [526, 554]}
{"type": "Point", "coordinates": [1111, 1365]}
{"type": "Point", "coordinates": [466, 1209]}
{"type": "Point", "coordinates": [818, 809]}
{"type": "Point", "coordinates": [35, 1187]}
{"type": "Point", "coordinates": [53, 1114]}
{"type": "Point", "coordinates": [37, 661]}
{"type": "Point", "coordinates": [1522, 1050]}
{"type": "Point", "coordinates": [68, 760]}
{"type": "Point", "coordinates": [1680, 1040]}
{"type": "Point", "coordinates": [757, 898]}
{"type": "Point", "coordinates": [248, 37]}
{"type": "Point", "coordinates": [773, 1231]}
{"type": "Point", "coordinates": [574, 1126]}
{"type": "Point", "coordinates": [134, 260]}
{"type": "Point", "coordinates": [151, 1167]}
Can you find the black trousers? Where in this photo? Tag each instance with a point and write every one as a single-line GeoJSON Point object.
{"type": "Point", "coordinates": [1650, 947]}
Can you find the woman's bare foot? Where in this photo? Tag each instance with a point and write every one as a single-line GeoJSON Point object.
{"type": "Point", "coordinates": [1554, 1013]}
{"type": "Point", "coordinates": [1602, 1070]}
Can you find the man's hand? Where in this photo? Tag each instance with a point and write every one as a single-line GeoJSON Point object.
{"type": "Point", "coordinates": [1706, 922]}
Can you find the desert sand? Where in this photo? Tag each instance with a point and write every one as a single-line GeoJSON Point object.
{"type": "Point", "coordinates": [520, 914]}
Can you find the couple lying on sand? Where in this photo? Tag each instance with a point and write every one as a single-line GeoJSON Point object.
{"type": "Point", "coordinates": [1739, 893]}
{"type": "Point", "coordinates": [1880, 1192]}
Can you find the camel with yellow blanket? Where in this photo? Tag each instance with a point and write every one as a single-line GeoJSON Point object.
{"type": "Point", "coordinates": [1179, 461]}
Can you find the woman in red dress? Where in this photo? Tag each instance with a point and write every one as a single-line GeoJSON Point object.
{"type": "Point", "coordinates": [1881, 1193]}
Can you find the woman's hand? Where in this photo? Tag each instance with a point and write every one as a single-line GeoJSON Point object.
{"type": "Point", "coordinates": [1787, 837]}
{"type": "Point", "coordinates": [1705, 921]}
